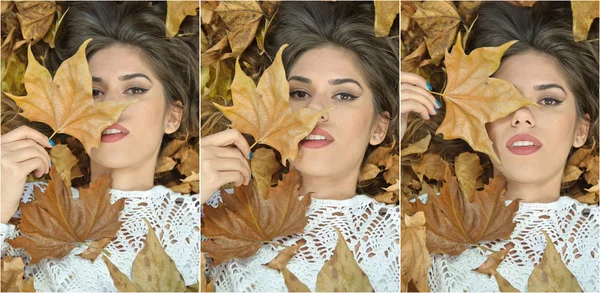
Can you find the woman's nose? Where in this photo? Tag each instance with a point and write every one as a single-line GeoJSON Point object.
{"type": "Point", "coordinates": [319, 103]}
{"type": "Point", "coordinates": [523, 116]}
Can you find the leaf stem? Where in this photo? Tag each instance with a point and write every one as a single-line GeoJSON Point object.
{"type": "Point", "coordinates": [487, 249]}
{"type": "Point", "coordinates": [255, 143]}
{"type": "Point", "coordinates": [51, 136]}
{"type": "Point", "coordinates": [436, 93]}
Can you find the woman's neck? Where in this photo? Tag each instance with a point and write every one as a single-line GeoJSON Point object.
{"type": "Point", "coordinates": [138, 177]}
{"type": "Point", "coordinates": [334, 187]}
{"type": "Point", "coordinates": [548, 191]}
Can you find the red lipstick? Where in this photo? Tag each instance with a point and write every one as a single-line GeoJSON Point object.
{"type": "Point", "coordinates": [318, 138]}
{"type": "Point", "coordinates": [523, 144]}
{"type": "Point", "coordinates": [113, 135]}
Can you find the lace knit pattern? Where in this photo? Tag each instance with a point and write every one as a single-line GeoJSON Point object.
{"type": "Point", "coordinates": [174, 217]}
{"type": "Point", "coordinates": [371, 230]}
{"type": "Point", "coordinates": [573, 228]}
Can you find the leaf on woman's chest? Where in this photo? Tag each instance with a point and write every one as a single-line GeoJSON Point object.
{"type": "Point", "coordinates": [13, 279]}
{"type": "Point", "coordinates": [414, 260]}
{"type": "Point", "coordinates": [238, 227]}
{"type": "Point", "coordinates": [54, 221]}
{"type": "Point", "coordinates": [66, 103]}
{"type": "Point", "coordinates": [264, 111]}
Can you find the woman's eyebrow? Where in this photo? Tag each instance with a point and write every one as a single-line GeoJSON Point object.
{"type": "Point", "coordinates": [134, 75]}
{"type": "Point", "coordinates": [542, 87]}
{"type": "Point", "coordinates": [344, 80]}
{"type": "Point", "coordinates": [300, 79]}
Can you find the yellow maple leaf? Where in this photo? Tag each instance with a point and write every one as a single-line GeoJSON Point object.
{"type": "Point", "coordinates": [176, 13]}
{"type": "Point", "coordinates": [66, 103]}
{"type": "Point", "coordinates": [440, 21]}
{"type": "Point", "coordinates": [584, 13]}
{"type": "Point", "coordinates": [264, 111]}
{"type": "Point", "coordinates": [473, 98]}
{"type": "Point", "coordinates": [385, 14]}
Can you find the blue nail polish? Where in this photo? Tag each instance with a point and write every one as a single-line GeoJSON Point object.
{"type": "Point", "coordinates": [51, 142]}
{"type": "Point", "coordinates": [434, 109]}
{"type": "Point", "coordinates": [438, 103]}
{"type": "Point", "coordinates": [250, 155]}
{"type": "Point", "coordinates": [428, 86]}
{"type": "Point", "coordinates": [50, 163]}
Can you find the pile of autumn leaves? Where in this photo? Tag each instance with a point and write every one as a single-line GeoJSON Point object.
{"type": "Point", "coordinates": [445, 225]}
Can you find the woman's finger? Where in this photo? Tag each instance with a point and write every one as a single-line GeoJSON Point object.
{"type": "Point", "coordinates": [226, 138]}
{"type": "Point", "coordinates": [230, 164]}
{"type": "Point", "coordinates": [415, 79]}
{"type": "Point", "coordinates": [408, 94]}
{"type": "Point", "coordinates": [28, 153]}
{"type": "Point", "coordinates": [420, 91]}
{"type": "Point", "coordinates": [414, 106]}
{"type": "Point", "coordinates": [210, 152]}
{"type": "Point", "coordinates": [25, 132]}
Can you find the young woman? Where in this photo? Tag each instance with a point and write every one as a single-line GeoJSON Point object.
{"type": "Point", "coordinates": [129, 58]}
{"type": "Point", "coordinates": [561, 76]}
{"type": "Point", "coordinates": [333, 60]}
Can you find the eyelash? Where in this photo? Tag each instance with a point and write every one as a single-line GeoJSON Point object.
{"type": "Point", "coordinates": [96, 92]}
{"type": "Point", "coordinates": [553, 101]}
{"type": "Point", "coordinates": [344, 96]}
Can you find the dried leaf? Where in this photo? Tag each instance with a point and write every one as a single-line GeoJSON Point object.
{"type": "Point", "coordinates": [194, 181]}
{"type": "Point", "coordinates": [467, 170]}
{"type": "Point", "coordinates": [279, 263]}
{"type": "Point", "coordinates": [523, 3]}
{"type": "Point", "coordinates": [491, 264]}
{"type": "Point", "coordinates": [13, 279]}
{"type": "Point", "coordinates": [378, 156]}
{"type": "Point", "coordinates": [418, 147]}
{"type": "Point", "coordinates": [66, 163]}
{"type": "Point", "coordinates": [95, 249]}
{"type": "Point", "coordinates": [572, 171]}
{"type": "Point", "coordinates": [584, 13]}
{"type": "Point", "coordinates": [264, 112]}
{"type": "Point", "coordinates": [387, 197]}
{"type": "Point", "coordinates": [183, 188]}
{"type": "Point", "coordinates": [121, 281]}
{"type": "Point", "coordinates": [341, 272]}
{"type": "Point", "coordinates": [238, 227]}
{"type": "Point", "coordinates": [165, 164]}
{"type": "Point", "coordinates": [474, 99]}
{"type": "Point", "coordinates": [263, 165]}
{"type": "Point", "coordinates": [385, 14]}
{"type": "Point", "coordinates": [189, 161]}
{"type": "Point", "coordinates": [551, 274]}
{"type": "Point", "coordinates": [454, 223]}
{"type": "Point", "coordinates": [205, 285]}
{"type": "Point", "coordinates": [53, 222]}
{"type": "Point", "coordinates": [392, 167]}
{"type": "Point", "coordinates": [66, 103]}
{"type": "Point", "coordinates": [431, 166]}
{"type": "Point", "coordinates": [440, 21]}
{"type": "Point", "coordinates": [35, 18]}
{"type": "Point", "coordinates": [368, 171]}
{"type": "Point", "coordinates": [13, 70]}
{"type": "Point", "coordinates": [591, 166]}
{"type": "Point", "coordinates": [414, 259]}
{"type": "Point", "coordinates": [153, 270]}
{"type": "Point", "coordinates": [242, 19]}
{"type": "Point", "coordinates": [51, 34]}
{"type": "Point", "coordinates": [415, 60]}
{"type": "Point", "coordinates": [176, 13]}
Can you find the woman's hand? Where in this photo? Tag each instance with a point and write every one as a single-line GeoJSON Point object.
{"type": "Point", "coordinates": [22, 153]}
{"type": "Point", "coordinates": [414, 97]}
{"type": "Point", "coordinates": [224, 160]}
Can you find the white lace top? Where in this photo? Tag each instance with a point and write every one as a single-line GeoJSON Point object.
{"type": "Point", "coordinates": [572, 226]}
{"type": "Point", "coordinates": [371, 230]}
{"type": "Point", "coordinates": [174, 216]}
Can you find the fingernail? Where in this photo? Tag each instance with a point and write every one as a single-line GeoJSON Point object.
{"type": "Point", "coordinates": [51, 142]}
{"type": "Point", "coordinates": [428, 86]}
{"type": "Point", "coordinates": [434, 109]}
{"type": "Point", "coordinates": [438, 103]}
{"type": "Point", "coordinates": [250, 155]}
{"type": "Point", "coordinates": [50, 163]}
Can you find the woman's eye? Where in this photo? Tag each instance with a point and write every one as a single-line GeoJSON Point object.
{"type": "Point", "coordinates": [96, 93]}
{"type": "Point", "coordinates": [346, 97]}
{"type": "Point", "coordinates": [299, 95]}
{"type": "Point", "coordinates": [547, 101]}
{"type": "Point", "coordinates": [136, 90]}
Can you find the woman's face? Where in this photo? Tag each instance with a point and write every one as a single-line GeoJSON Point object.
{"type": "Point", "coordinates": [533, 143]}
{"type": "Point", "coordinates": [330, 77]}
{"type": "Point", "coordinates": [120, 73]}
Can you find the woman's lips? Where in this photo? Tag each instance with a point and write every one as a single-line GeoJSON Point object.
{"type": "Point", "coordinates": [523, 144]}
{"type": "Point", "coordinates": [114, 137]}
{"type": "Point", "coordinates": [318, 138]}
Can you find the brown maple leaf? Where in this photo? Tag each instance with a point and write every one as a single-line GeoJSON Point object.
{"type": "Point", "coordinates": [13, 279]}
{"type": "Point", "coordinates": [572, 170]}
{"type": "Point", "coordinates": [468, 169]}
{"type": "Point", "coordinates": [431, 166]}
{"type": "Point", "coordinates": [66, 163]}
{"type": "Point", "coordinates": [153, 270]}
{"type": "Point", "coordinates": [385, 14]}
{"type": "Point", "coordinates": [263, 166]}
{"type": "Point", "coordinates": [35, 18]}
{"type": "Point", "coordinates": [491, 264]}
{"type": "Point", "coordinates": [584, 13]}
{"type": "Point", "coordinates": [551, 274]}
{"type": "Point", "coordinates": [238, 227]}
{"type": "Point", "coordinates": [242, 19]}
{"type": "Point", "coordinates": [415, 260]}
{"type": "Point", "coordinates": [54, 222]}
{"type": "Point", "coordinates": [176, 13]}
{"type": "Point", "coordinates": [280, 263]}
{"type": "Point", "coordinates": [66, 103]}
{"type": "Point", "coordinates": [454, 223]}
{"type": "Point", "coordinates": [341, 272]}
{"type": "Point", "coordinates": [264, 111]}
{"type": "Point", "coordinates": [418, 147]}
{"type": "Point", "coordinates": [474, 99]}
{"type": "Point", "coordinates": [440, 21]}
{"type": "Point", "coordinates": [205, 285]}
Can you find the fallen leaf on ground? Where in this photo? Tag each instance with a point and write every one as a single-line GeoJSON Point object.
{"type": "Point", "coordinates": [53, 222]}
{"type": "Point", "coordinates": [467, 170]}
{"type": "Point", "coordinates": [431, 166]}
{"type": "Point", "coordinates": [584, 13]}
{"type": "Point", "coordinates": [572, 171]}
{"type": "Point", "coordinates": [176, 13]}
{"type": "Point", "coordinates": [551, 274]}
{"type": "Point", "coordinates": [341, 272]}
{"type": "Point", "coordinates": [264, 112]}
{"type": "Point", "coordinates": [440, 21]}
{"type": "Point", "coordinates": [238, 227]}
{"type": "Point", "coordinates": [591, 169]}
{"type": "Point", "coordinates": [473, 98]}
{"type": "Point", "coordinates": [414, 259]}
{"type": "Point", "coordinates": [385, 14]}
{"type": "Point", "coordinates": [279, 263]}
{"type": "Point", "coordinates": [13, 279]}
{"type": "Point", "coordinates": [392, 169]}
{"type": "Point", "coordinates": [263, 165]}
{"type": "Point", "coordinates": [242, 19]}
{"type": "Point", "coordinates": [454, 223]}
{"type": "Point", "coordinates": [66, 163]}
{"type": "Point", "coordinates": [66, 103]}
{"type": "Point", "coordinates": [205, 285]}
{"type": "Point", "coordinates": [165, 164]}
{"type": "Point", "coordinates": [35, 18]}
{"type": "Point", "coordinates": [194, 181]}
{"type": "Point", "coordinates": [189, 160]}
